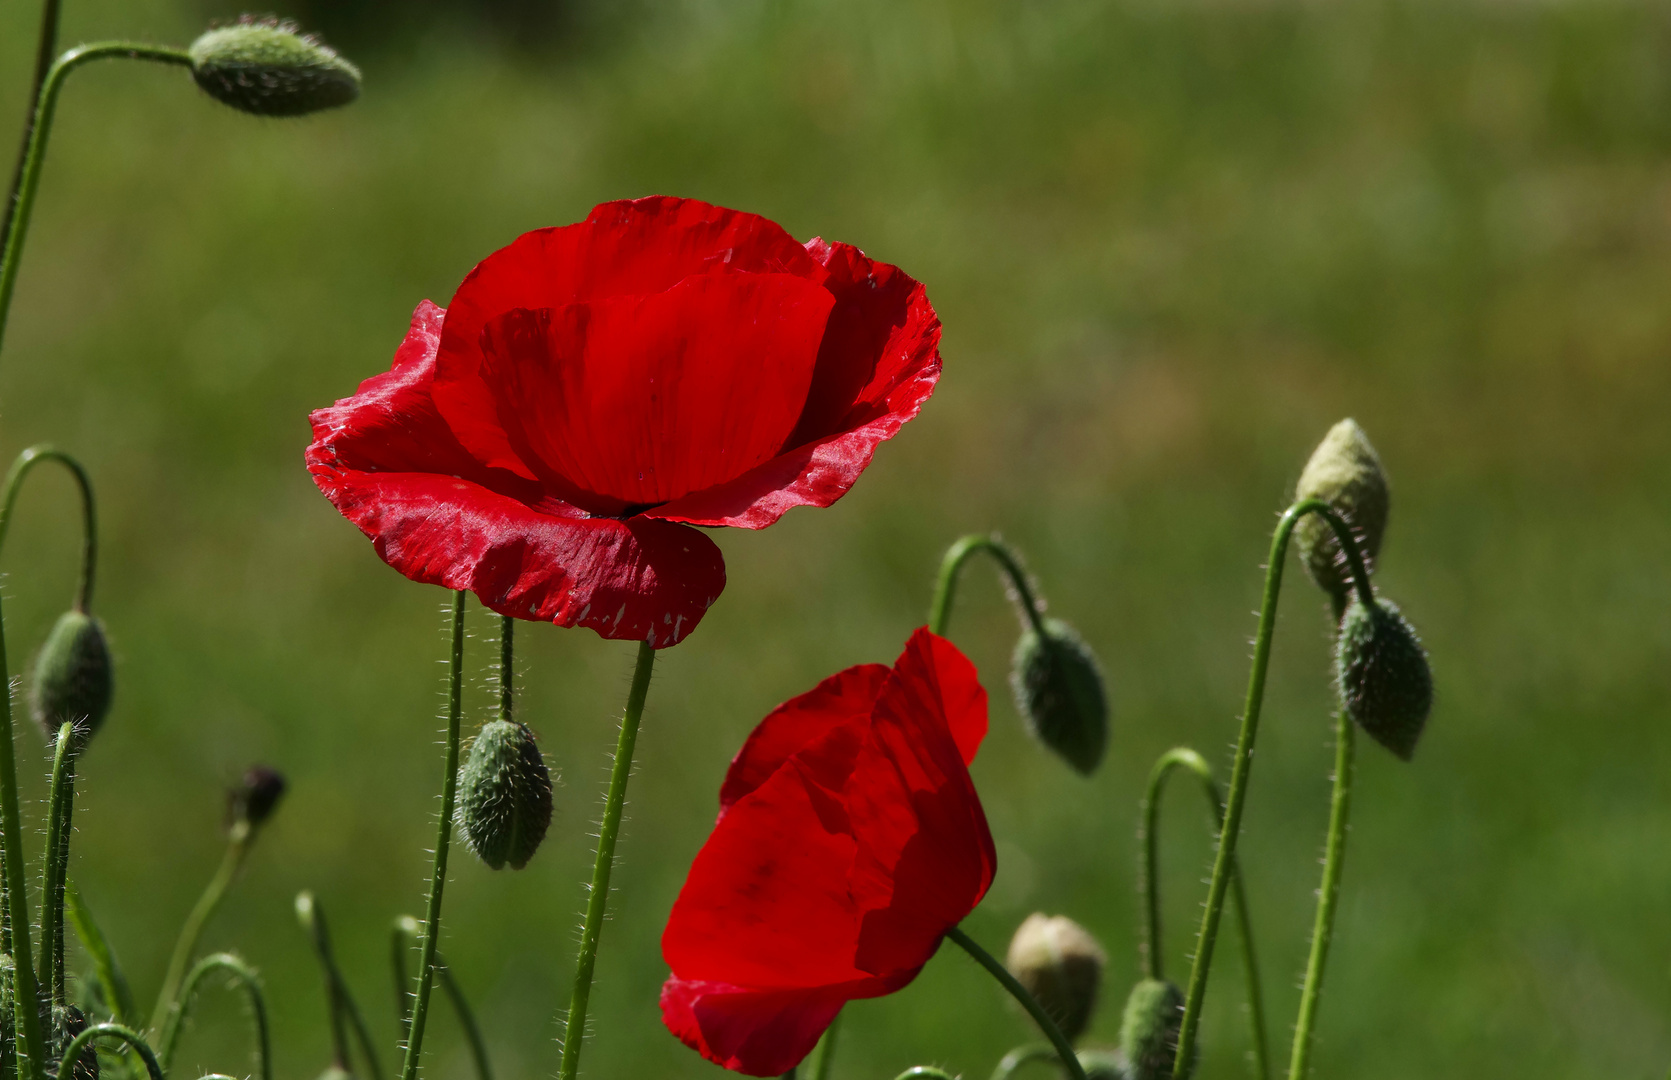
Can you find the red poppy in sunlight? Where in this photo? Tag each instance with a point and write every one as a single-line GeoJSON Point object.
{"type": "Point", "coordinates": [594, 390]}
{"type": "Point", "coordinates": [850, 839]}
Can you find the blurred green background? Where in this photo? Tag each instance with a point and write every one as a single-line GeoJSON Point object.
{"type": "Point", "coordinates": [1172, 241]}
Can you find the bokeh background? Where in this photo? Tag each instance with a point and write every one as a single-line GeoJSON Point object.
{"type": "Point", "coordinates": [1172, 241]}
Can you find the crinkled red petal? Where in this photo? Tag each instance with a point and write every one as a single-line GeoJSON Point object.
{"type": "Point", "coordinates": [388, 462]}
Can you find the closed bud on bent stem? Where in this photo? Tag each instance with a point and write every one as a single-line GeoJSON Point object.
{"type": "Point", "coordinates": [1060, 964]}
{"type": "Point", "coordinates": [267, 67]}
{"type": "Point", "coordinates": [1345, 472]}
{"type": "Point", "coordinates": [1384, 680]}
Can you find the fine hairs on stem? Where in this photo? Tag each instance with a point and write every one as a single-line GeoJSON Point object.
{"type": "Point", "coordinates": [945, 588]}
{"type": "Point", "coordinates": [1148, 871]}
{"type": "Point", "coordinates": [1226, 853]}
{"type": "Point", "coordinates": [1064, 1049]}
{"type": "Point", "coordinates": [242, 977]}
{"type": "Point", "coordinates": [574, 1030]}
{"type": "Point", "coordinates": [402, 937]}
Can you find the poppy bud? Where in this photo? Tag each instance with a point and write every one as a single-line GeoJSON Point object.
{"type": "Point", "coordinates": [1059, 693]}
{"type": "Point", "coordinates": [72, 682]}
{"type": "Point", "coordinates": [264, 66]}
{"type": "Point", "coordinates": [256, 796]}
{"type": "Point", "coordinates": [67, 1022]}
{"type": "Point", "coordinates": [1149, 1030]}
{"type": "Point", "coordinates": [504, 795]}
{"type": "Point", "coordinates": [1345, 472]}
{"type": "Point", "coordinates": [1103, 1065]}
{"type": "Point", "coordinates": [1060, 964]}
{"type": "Point", "coordinates": [1384, 681]}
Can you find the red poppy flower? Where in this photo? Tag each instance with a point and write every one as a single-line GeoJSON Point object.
{"type": "Point", "coordinates": [594, 390]}
{"type": "Point", "coordinates": [850, 839]}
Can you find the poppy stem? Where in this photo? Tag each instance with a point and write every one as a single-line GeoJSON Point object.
{"type": "Point", "coordinates": [341, 1000]}
{"type": "Point", "coordinates": [945, 589]}
{"type": "Point", "coordinates": [1328, 896]}
{"type": "Point", "coordinates": [50, 969]}
{"type": "Point", "coordinates": [46, 48]}
{"type": "Point", "coordinates": [438, 881]}
{"type": "Point", "coordinates": [1064, 1048]}
{"type": "Point", "coordinates": [21, 467]}
{"type": "Point", "coordinates": [34, 153]}
{"type": "Point", "coordinates": [26, 1016]}
{"type": "Point", "coordinates": [574, 1032]}
{"type": "Point", "coordinates": [925, 1072]}
{"type": "Point", "coordinates": [403, 938]}
{"type": "Point", "coordinates": [507, 666]}
{"type": "Point", "coordinates": [72, 1052]}
{"type": "Point", "coordinates": [1022, 1055]}
{"type": "Point", "coordinates": [1184, 757]}
{"type": "Point", "coordinates": [237, 849]}
{"type": "Point", "coordinates": [1225, 858]}
{"type": "Point", "coordinates": [245, 978]}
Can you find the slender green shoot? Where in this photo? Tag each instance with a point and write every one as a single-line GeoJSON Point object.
{"type": "Point", "coordinates": [238, 844]}
{"type": "Point", "coordinates": [342, 1004]}
{"type": "Point", "coordinates": [245, 979]}
{"type": "Point", "coordinates": [945, 589]}
{"type": "Point", "coordinates": [402, 939]}
{"type": "Point", "coordinates": [1064, 1048]}
{"type": "Point", "coordinates": [73, 1052]}
{"type": "Point", "coordinates": [1021, 1056]}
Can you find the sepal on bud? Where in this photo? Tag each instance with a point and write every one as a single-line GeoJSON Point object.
{"type": "Point", "coordinates": [72, 678]}
{"type": "Point", "coordinates": [1345, 472]}
{"type": "Point", "coordinates": [266, 67]}
{"type": "Point", "coordinates": [254, 798]}
{"type": "Point", "coordinates": [1383, 677]}
{"type": "Point", "coordinates": [1059, 692]}
{"type": "Point", "coordinates": [1149, 1030]}
{"type": "Point", "coordinates": [1060, 964]}
{"type": "Point", "coordinates": [504, 795]}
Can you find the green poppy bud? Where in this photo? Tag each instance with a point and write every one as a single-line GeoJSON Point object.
{"type": "Point", "coordinates": [264, 66]}
{"type": "Point", "coordinates": [1149, 1030]}
{"type": "Point", "coordinates": [66, 1023]}
{"type": "Point", "coordinates": [255, 797]}
{"type": "Point", "coordinates": [1384, 681]}
{"type": "Point", "coordinates": [1345, 472]}
{"type": "Point", "coordinates": [504, 795]}
{"type": "Point", "coordinates": [1059, 693]}
{"type": "Point", "coordinates": [72, 680]}
{"type": "Point", "coordinates": [1060, 964]}
{"type": "Point", "coordinates": [1104, 1065]}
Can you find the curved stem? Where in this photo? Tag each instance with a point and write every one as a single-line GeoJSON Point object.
{"type": "Point", "coordinates": [237, 849]}
{"type": "Point", "coordinates": [945, 589]}
{"type": "Point", "coordinates": [1243, 766]}
{"type": "Point", "coordinates": [925, 1072]}
{"type": "Point", "coordinates": [438, 881]}
{"type": "Point", "coordinates": [574, 1030]}
{"type": "Point", "coordinates": [46, 47]}
{"type": "Point", "coordinates": [312, 918]}
{"type": "Point", "coordinates": [66, 1065]}
{"type": "Point", "coordinates": [31, 1060]}
{"type": "Point", "coordinates": [1328, 896]}
{"type": "Point", "coordinates": [106, 968]}
{"type": "Point", "coordinates": [21, 467]}
{"type": "Point", "coordinates": [1184, 757]}
{"type": "Point", "coordinates": [245, 978]}
{"type": "Point", "coordinates": [404, 937]}
{"type": "Point", "coordinates": [35, 152]}
{"type": "Point", "coordinates": [826, 1050]}
{"type": "Point", "coordinates": [1022, 1055]}
{"type": "Point", "coordinates": [50, 972]}
{"type": "Point", "coordinates": [1064, 1048]}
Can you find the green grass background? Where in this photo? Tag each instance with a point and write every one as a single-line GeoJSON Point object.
{"type": "Point", "coordinates": [1172, 241]}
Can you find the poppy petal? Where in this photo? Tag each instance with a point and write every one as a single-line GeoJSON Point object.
{"type": "Point", "coordinates": [843, 697]}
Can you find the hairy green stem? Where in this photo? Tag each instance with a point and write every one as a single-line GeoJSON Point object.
{"type": "Point", "coordinates": [1328, 896]}
{"type": "Point", "coordinates": [1064, 1048]}
{"type": "Point", "coordinates": [574, 1031]}
{"type": "Point", "coordinates": [507, 666]}
{"type": "Point", "coordinates": [312, 917]}
{"type": "Point", "coordinates": [1022, 1055]}
{"type": "Point", "coordinates": [1184, 757]}
{"type": "Point", "coordinates": [21, 468]}
{"type": "Point", "coordinates": [245, 978]}
{"type": "Point", "coordinates": [11, 252]}
{"type": "Point", "coordinates": [66, 1064]}
{"type": "Point", "coordinates": [50, 972]}
{"type": "Point", "coordinates": [31, 1051]}
{"type": "Point", "coordinates": [404, 936]}
{"type": "Point", "coordinates": [46, 47]}
{"type": "Point", "coordinates": [826, 1050]}
{"type": "Point", "coordinates": [945, 588]}
{"type": "Point", "coordinates": [1243, 766]}
{"type": "Point", "coordinates": [238, 845]}
{"type": "Point", "coordinates": [106, 968]}
{"type": "Point", "coordinates": [438, 881]}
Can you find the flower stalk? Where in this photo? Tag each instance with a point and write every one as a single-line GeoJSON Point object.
{"type": "Point", "coordinates": [1064, 1049]}
{"type": "Point", "coordinates": [438, 882]}
{"type": "Point", "coordinates": [951, 566]}
{"type": "Point", "coordinates": [238, 844]}
{"type": "Point", "coordinates": [245, 979]}
{"type": "Point", "coordinates": [54, 861]}
{"type": "Point", "coordinates": [31, 1051]}
{"type": "Point", "coordinates": [1243, 764]}
{"type": "Point", "coordinates": [79, 1044]}
{"type": "Point", "coordinates": [21, 467]}
{"type": "Point", "coordinates": [574, 1032]}
{"type": "Point", "coordinates": [401, 939]}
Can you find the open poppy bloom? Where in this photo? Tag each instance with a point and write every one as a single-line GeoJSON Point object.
{"type": "Point", "coordinates": [594, 390]}
{"type": "Point", "coordinates": [850, 839]}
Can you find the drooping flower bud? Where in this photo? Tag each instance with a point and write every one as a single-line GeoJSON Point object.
{"type": "Point", "coordinates": [266, 67]}
{"type": "Point", "coordinates": [504, 795]}
{"type": "Point", "coordinates": [1059, 692]}
{"type": "Point", "coordinates": [1060, 964]}
{"type": "Point", "coordinates": [1103, 1065]}
{"type": "Point", "coordinates": [1149, 1030]}
{"type": "Point", "coordinates": [253, 799]}
{"type": "Point", "coordinates": [72, 678]}
{"type": "Point", "coordinates": [1384, 681]}
{"type": "Point", "coordinates": [1345, 472]}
